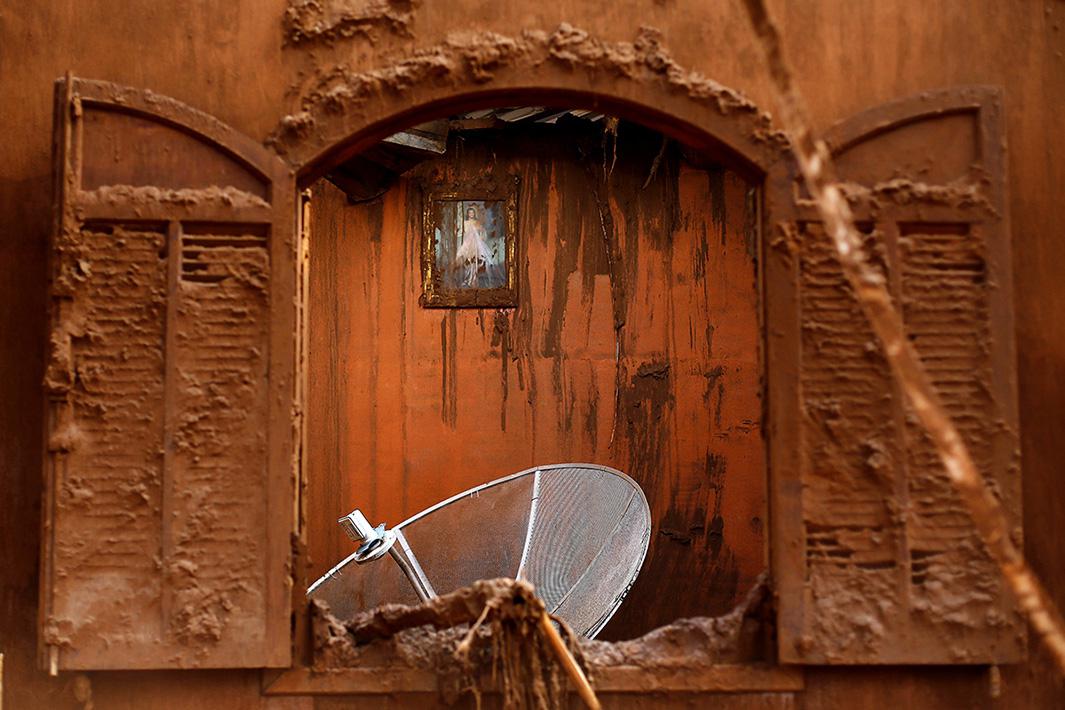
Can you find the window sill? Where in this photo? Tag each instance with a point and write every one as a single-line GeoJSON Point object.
{"type": "Point", "coordinates": [724, 678]}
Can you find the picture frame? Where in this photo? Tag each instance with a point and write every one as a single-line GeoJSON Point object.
{"type": "Point", "coordinates": [469, 246]}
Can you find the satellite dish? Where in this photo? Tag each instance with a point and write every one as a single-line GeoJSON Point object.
{"type": "Point", "coordinates": [577, 532]}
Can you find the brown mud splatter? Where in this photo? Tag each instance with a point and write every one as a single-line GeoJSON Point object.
{"type": "Point", "coordinates": [159, 355]}
{"type": "Point", "coordinates": [473, 637]}
{"type": "Point", "coordinates": [425, 636]}
{"type": "Point", "coordinates": [475, 56]}
{"type": "Point", "coordinates": [646, 404]}
{"type": "Point", "coordinates": [326, 21]}
{"type": "Point", "coordinates": [149, 195]}
{"type": "Point", "coordinates": [903, 191]}
{"type": "Point", "coordinates": [889, 548]}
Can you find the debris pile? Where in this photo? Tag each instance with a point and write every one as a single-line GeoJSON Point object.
{"type": "Point", "coordinates": [490, 635]}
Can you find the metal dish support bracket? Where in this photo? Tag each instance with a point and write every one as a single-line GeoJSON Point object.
{"type": "Point", "coordinates": [375, 542]}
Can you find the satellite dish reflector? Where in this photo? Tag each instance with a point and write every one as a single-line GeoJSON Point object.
{"type": "Point", "coordinates": [577, 532]}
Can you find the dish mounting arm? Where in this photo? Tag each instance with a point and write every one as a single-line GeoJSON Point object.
{"type": "Point", "coordinates": [375, 542]}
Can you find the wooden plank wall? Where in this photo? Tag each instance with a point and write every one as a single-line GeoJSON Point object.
{"type": "Point", "coordinates": [635, 344]}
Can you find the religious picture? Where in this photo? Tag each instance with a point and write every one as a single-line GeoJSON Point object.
{"type": "Point", "coordinates": [471, 245]}
{"type": "Point", "coordinates": [469, 251]}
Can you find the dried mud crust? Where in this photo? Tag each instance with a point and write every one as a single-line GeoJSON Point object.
{"type": "Point", "coordinates": [165, 374]}
{"type": "Point", "coordinates": [903, 191]}
{"type": "Point", "coordinates": [310, 21]}
{"type": "Point", "coordinates": [430, 637]}
{"type": "Point", "coordinates": [478, 56]}
{"type": "Point", "coordinates": [489, 630]}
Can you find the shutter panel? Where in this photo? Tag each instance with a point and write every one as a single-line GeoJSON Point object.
{"type": "Point", "coordinates": [170, 393]}
{"type": "Point", "coordinates": [875, 557]}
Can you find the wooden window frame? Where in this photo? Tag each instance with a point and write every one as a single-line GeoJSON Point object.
{"type": "Point", "coordinates": [743, 134]}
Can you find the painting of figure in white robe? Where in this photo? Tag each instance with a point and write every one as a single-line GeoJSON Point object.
{"type": "Point", "coordinates": [471, 244]}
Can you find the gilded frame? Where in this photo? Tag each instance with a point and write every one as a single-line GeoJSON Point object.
{"type": "Point", "coordinates": [435, 294]}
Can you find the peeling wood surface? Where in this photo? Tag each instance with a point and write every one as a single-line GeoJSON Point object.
{"type": "Point", "coordinates": [635, 345]}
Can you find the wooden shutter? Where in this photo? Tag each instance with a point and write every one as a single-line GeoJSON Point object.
{"type": "Point", "coordinates": [875, 558]}
{"type": "Point", "coordinates": [170, 393]}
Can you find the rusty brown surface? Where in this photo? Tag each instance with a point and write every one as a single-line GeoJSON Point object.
{"type": "Point", "coordinates": [635, 344]}
{"type": "Point", "coordinates": [228, 60]}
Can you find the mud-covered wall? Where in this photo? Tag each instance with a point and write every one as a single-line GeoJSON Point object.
{"type": "Point", "coordinates": [635, 344]}
{"type": "Point", "coordinates": [234, 61]}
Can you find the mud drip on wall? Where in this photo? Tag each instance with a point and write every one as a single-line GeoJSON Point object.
{"type": "Point", "coordinates": [635, 344]}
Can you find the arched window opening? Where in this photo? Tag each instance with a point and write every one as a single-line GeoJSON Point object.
{"type": "Point", "coordinates": [597, 301]}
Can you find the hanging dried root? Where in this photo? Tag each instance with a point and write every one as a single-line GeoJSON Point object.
{"type": "Point", "coordinates": [526, 652]}
{"type": "Point", "coordinates": [656, 163]}
{"type": "Point", "coordinates": [511, 639]}
{"type": "Point", "coordinates": [869, 286]}
{"type": "Point", "coordinates": [610, 130]}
